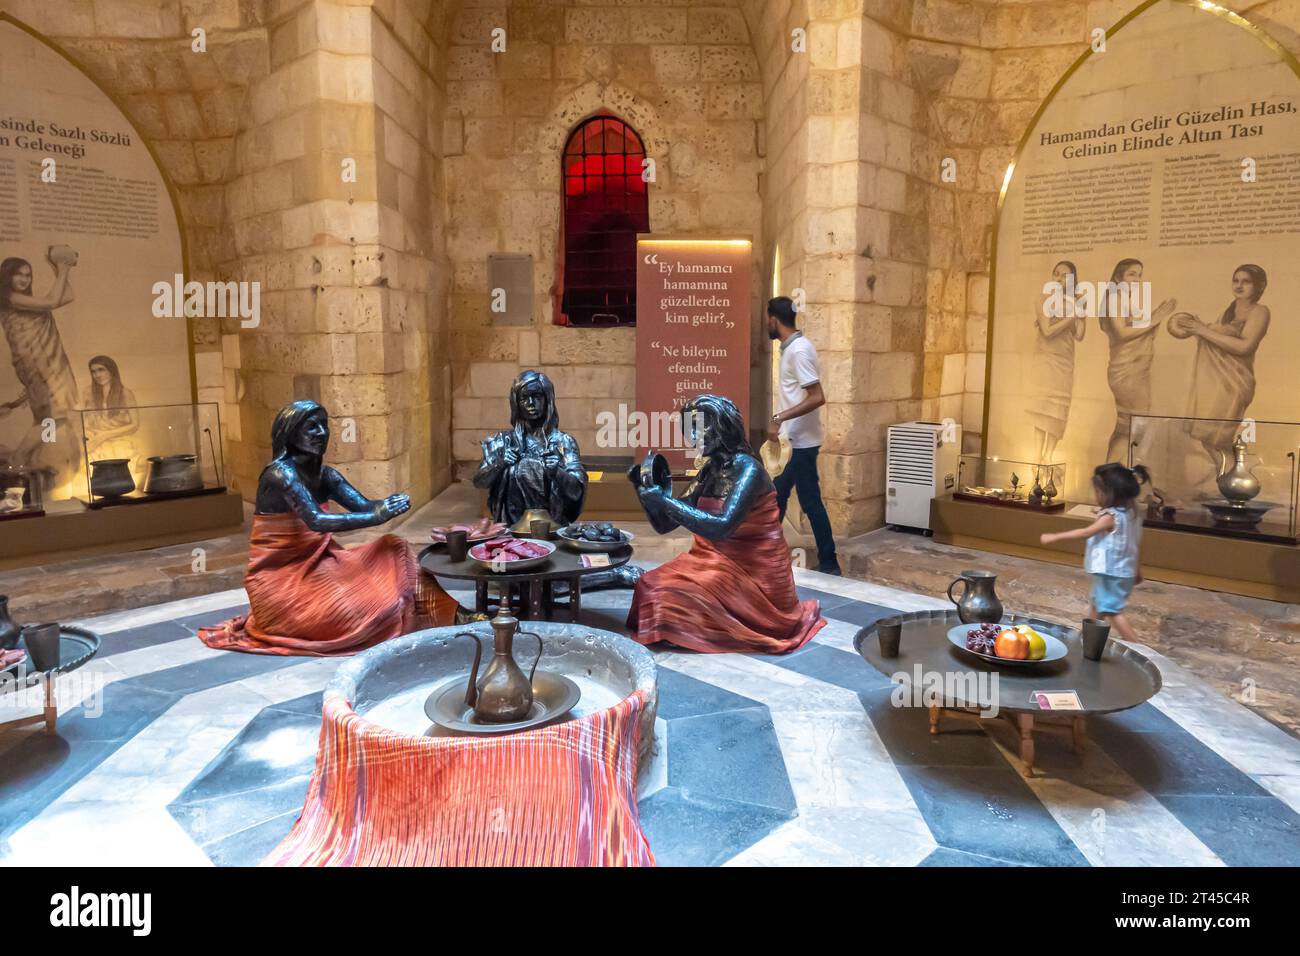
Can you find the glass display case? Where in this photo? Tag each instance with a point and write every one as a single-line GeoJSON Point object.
{"type": "Point", "coordinates": [21, 492]}
{"type": "Point", "coordinates": [1016, 484]}
{"type": "Point", "coordinates": [152, 452]}
{"type": "Point", "coordinates": [1220, 476]}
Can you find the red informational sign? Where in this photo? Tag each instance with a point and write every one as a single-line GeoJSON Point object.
{"type": "Point", "coordinates": [692, 333]}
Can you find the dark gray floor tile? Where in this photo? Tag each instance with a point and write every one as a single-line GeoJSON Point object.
{"type": "Point", "coordinates": [833, 666]}
{"type": "Point", "coordinates": [682, 696]}
{"type": "Point", "coordinates": [216, 819]}
{"type": "Point", "coordinates": [733, 755]}
{"type": "Point", "coordinates": [212, 672]}
{"type": "Point", "coordinates": [1243, 831]}
{"type": "Point", "coordinates": [210, 618]}
{"type": "Point", "coordinates": [699, 830]}
{"type": "Point", "coordinates": [250, 847]}
{"type": "Point", "coordinates": [859, 613]}
{"type": "Point", "coordinates": [242, 766]}
{"type": "Point", "coordinates": [119, 642]}
{"type": "Point", "coordinates": [989, 811]}
{"type": "Point", "coordinates": [945, 856]}
{"type": "Point", "coordinates": [1171, 761]}
{"type": "Point", "coordinates": [905, 732]}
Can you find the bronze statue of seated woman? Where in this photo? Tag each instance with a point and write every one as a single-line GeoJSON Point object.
{"type": "Point", "coordinates": [534, 466]}
{"type": "Point", "coordinates": [734, 590]}
{"type": "Point", "coordinates": [307, 593]}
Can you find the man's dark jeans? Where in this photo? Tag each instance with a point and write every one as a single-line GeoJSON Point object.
{"type": "Point", "coordinates": [801, 475]}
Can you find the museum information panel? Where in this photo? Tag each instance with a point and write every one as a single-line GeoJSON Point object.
{"type": "Point", "coordinates": [1146, 252]}
{"type": "Point", "coordinates": [87, 228]}
{"type": "Point", "coordinates": [692, 330]}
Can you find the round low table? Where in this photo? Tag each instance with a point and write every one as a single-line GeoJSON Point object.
{"type": "Point", "coordinates": [76, 646]}
{"type": "Point", "coordinates": [1123, 678]}
{"type": "Point", "coordinates": [537, 582]}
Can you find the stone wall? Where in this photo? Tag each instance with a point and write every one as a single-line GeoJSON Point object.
{"type": "Point", "coordinates": [683, 74]}
{"type": "Point", "coordinates": [375, 294]}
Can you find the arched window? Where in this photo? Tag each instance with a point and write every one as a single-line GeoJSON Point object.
{"type": "Point", "coordinates": [605, 205]}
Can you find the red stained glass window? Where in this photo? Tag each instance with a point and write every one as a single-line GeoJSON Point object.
{"type": "Point", "coordinates": [606, 203]}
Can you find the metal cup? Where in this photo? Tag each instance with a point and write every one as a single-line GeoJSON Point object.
{"type": "Point", "coordinates": [42, 641]}
{"type": "Point", "coordinates": [889, 631]}
{"type": "Point", "coordinates": [1096, 634]}
{"type": "Point", "coordinates": [457, 545]}
{"type": "Point", "coordinates": [540, 528]}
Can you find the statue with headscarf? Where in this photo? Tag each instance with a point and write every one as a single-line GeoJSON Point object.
{"type": "Point", "coordinates": [533, 465]}
{"type": "Point", "coordinates": [307, 593]}
{"type": "Point", "coordinates": [734, 590]}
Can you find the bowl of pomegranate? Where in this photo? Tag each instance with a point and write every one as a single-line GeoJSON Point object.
{"type": "Point", "coordinates": [503, 555]}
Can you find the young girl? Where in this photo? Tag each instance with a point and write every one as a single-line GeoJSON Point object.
{"type": "Point", "coordinates": [1111, 555]}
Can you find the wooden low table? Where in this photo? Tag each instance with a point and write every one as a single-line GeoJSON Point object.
{"type": "Point", "coordinates": [76, 646]}
{"type": "Point", "coordinates": [1123, 678]}
{"type": "Point", "coordinates": [537, 582]}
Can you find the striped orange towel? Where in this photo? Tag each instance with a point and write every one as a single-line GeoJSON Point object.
{"type": "Point", "coordinates": [563, 795]}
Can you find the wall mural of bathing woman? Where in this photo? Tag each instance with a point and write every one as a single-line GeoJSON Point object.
{"type": "Point", "coordinates": [1223, 378]}
{"type": "Point", "coordinates": [41, 364]}
{"type": "Point", "coordinates": [1051, 372]}
{"type": "Point", "coordinates": [110, 419]}
{"type": "Point", "coordinates": [1131, 351]}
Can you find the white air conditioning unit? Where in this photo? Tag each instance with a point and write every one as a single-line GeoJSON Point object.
{"type": "Point", "coordinates": [920, 465]}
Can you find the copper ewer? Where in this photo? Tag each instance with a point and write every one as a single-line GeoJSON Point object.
{"type": "Point", "coordinates": [503, 694]}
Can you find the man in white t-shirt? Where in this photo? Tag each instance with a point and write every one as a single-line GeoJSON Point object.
{"type": "Point", "coordinates": [799, 418]}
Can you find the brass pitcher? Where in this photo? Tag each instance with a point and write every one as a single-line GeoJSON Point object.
{"type": "Point", "coordinates": [503, 695]}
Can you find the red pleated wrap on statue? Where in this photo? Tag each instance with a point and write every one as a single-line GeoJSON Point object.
{"type": "Point", "coordinates": [563, 795]}
{"type": "Point", "coordinates": [309, 595]}
{"type": "Point", "coordinates": [731, 595]}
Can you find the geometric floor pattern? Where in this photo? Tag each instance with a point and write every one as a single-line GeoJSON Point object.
{"type": "Point", "coordinates": [182, 755]}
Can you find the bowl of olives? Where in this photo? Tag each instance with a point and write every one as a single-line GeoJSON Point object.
{"type": "Point", "coordinates": [594, 536]}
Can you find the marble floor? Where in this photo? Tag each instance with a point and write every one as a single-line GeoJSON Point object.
{"type": "Point", "coordinates": [175, 754]}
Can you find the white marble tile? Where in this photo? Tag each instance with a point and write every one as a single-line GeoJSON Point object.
{"type": "Point", "coordinates": [838, 760]}
{"type": "Point", "coordinates": [874, 837]}
{"type": "Point", "coordinates": [1105, 812]}
{"type": "Point", "coordinates": [868, 592]}
{"type": "Point", "coordinates": [777, 687]}
{"type": "Point", "coordinates": [104, 833]}
{"type": "Point", "coordinates": [791, 845]}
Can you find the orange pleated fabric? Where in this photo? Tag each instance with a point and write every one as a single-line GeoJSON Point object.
{"type": "Point", "coordinates": [309, 595]}
{"type": "Point", "coordinates": [556, 796]}
{"type": "Point", "coordinates": [735, 595]}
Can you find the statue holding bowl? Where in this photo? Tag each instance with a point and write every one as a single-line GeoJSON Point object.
{"type": "Point", "coordinates": [734, 590]}
{"type": "Point", "coordinates": [310, 595]}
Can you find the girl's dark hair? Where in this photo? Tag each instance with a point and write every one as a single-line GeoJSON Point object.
{"type": "Point", "coordinates": [1119, 486]}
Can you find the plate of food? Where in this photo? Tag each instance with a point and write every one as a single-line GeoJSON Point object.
{"type": "Point", "coordinates": [1007, 643]}
{"type": "Point", "coordinates": [482, 530]}
{"type": "Point", "coordinates": [503, 555]}
{"type": "Point", "coordinates": [594, 536]}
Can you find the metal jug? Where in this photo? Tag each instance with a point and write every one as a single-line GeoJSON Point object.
{"type": "Point", "coordinates": [1237, 483]}
{"type": "Point", "coordinates": [979, 601]}
{"type": "Point", "coordinates": [503, 694]}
